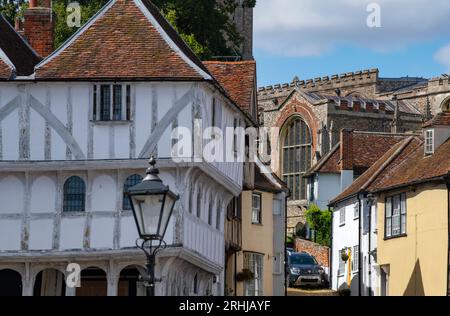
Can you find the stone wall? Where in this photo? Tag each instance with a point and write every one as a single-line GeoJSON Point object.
{"type": "Point", "coordinates": [321, 253]}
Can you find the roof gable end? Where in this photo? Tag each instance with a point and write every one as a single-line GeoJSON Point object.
{"type": "Point", "coordinates": [126, 39]}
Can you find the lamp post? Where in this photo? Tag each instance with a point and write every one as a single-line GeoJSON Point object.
{"type": "Point", "coordinates": [152, 203]}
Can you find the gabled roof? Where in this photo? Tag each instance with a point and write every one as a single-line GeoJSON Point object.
{"type": "Point", "coordinates": [367, 147]}
{"type": "Point", "coordinates": [127, 39]}
{"type": "Point", "coordinates": [16, 56]}
{"type": "Point", "coordinates": [238, 78]}
{"type": "Point", "coordinates": [392, 157]}
{"type": "Point", "coordinates": [441, 119]}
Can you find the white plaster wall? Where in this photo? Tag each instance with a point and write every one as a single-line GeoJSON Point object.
{"type": "Point", "coordinates": [129, 232]}
{"type": "Point", "coordinates": [10, 136]}
{"type": "Point", "coordinates": [10, 234]}
{"type": "Point", "coordinates": [11, 195]}
{"type": "Point", "coordinates": [104, 190]}
{"type": "Point", "coordinates": [80, 114]}
{"type": "Point", "coordinates": [328, 188]}
{"type": "Point", "coordinates": [58, 99]}
{"type": "Point", "coordinates": [102, 233]}
{"type": "Point", "coordinates": [343, 236]}
{"type": "Point", "coordinates": [41, 234]}
{"type": "Point", "coordinates": [101, 141]}
{"type": "Point", "coordinates": [43, 195]}
{"type": "Point", "coordinates": [121, 147]}
{"type": "Point", "coordinates": [37, 136]}
{"type": "Point", "coordinates": [72, 233]}
{"type": "Point", "coordinates": [346, 179]}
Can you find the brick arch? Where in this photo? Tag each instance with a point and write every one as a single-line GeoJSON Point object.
{"type": "Point", "coordinates": [297, 108]}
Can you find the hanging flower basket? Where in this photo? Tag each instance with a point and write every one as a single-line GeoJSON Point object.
{"type": "Point", "coordinates": [344, 257]}
{"type": "Point", "coordinates": [245, 275]}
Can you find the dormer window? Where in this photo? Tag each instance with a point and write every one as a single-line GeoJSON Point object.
{"type": "Point", "coordinates": [111, 102]}
{"type": "Point", "coordinates": [429, 142]}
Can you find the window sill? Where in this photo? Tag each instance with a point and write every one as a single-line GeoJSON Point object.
{"type": "Point", "coordinates": [124, 122]}
{"type": "Point", "coordinates": [257, 224]}
{"type": "Point", "coordinates": [341, 225]}
{"type": "Point", "coordinates": [356, 218]}
{"type": "Point", "coordinates": [396, 237]}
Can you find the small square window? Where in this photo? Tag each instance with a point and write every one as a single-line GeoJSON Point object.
{"type": "Point", "coordinates": [111, 102]}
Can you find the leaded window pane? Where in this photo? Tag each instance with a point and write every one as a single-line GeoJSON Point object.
{"type": "Point", "coordinates": [105, 102]}
{"type": "Point", "coordinates": [117, 103]}
{"type": "Point", "coordinates": [74, 195]}
{"type": "Point", "coordinates": [297, 155]}
{"type": "Point", "coordinates": [131, 181]}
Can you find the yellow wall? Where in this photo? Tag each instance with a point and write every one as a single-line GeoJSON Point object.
{"type": "Point", "coordinates": [418, 262]}
{"type": "Point", "coordinates": [258, 238]}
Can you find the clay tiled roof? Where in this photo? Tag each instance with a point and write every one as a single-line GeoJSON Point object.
{"type": "Point", "coordinates": [238, 79]}
{"type": "Point", "coordinates": [5, 70]}
{"type": "Point", "coordinates": [368, 147]}
{"type": "Point", "coordinates": [15, 48]}
{"type": "Point", "coordinates": [416, 169]}
{"type": "Point", "coordinates": [365, 180]}
{"type": "Point", "coordinates": [127, 39]}
{"type": "Point", "coordinates": [442, 119]}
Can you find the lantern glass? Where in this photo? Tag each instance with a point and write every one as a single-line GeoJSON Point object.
{"type": "Point", "coordinates": [167, 212]}
{"type": "Point", "coordinates": [147, 211]}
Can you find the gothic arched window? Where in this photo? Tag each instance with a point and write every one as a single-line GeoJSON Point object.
{"type": "Point", "coordinates": [131, 181]}
{"type": "Point", "coordinates": [74, 195]}
{"type": "Point", "coordinates": [296, 157]}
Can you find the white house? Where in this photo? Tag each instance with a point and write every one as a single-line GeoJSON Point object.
{"type": "Point", "coordinates": [77, 129]}
{"type": "Point", "coordinates": [354, 225]}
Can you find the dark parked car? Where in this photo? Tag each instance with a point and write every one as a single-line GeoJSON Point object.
{"type": "Point", "coordinates": [304, 270]}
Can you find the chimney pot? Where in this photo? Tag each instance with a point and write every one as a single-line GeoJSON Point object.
{"type": "Point", "coordinates": [33, 4]}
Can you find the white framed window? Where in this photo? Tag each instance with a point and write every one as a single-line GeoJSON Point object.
{"type": "Point", "coordinates": [256, 209]}
{"type": "Point", "coordinates": [341, 269]}
{"type": "Point", "coordinates": [355, 259]}
{"type": "Point", "coordinates": [356, 211]}
{"type": "Point", "coordinates": [254, 263]}
{"type": "Point", "coordinates": [111, 102]}
{"type": "Point", "coordinates": [342, 217]}
{"type": "Point", "coordinates": [429, 142]}
{"type": "Point", "coordinates": [395, 216]}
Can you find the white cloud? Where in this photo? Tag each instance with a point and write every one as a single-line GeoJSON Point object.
{"type": "Point", "coordinates": [443, 57]}
{"type": "Point", "coordinates": [314, 27]}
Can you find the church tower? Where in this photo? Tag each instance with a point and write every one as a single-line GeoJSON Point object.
{"type": "Point", "coordinates": [243, 19]}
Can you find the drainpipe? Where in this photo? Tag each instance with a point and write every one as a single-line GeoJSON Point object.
{"type": "Point", "coordinates": [448, 259]}
{"type": "Point", "coordinates": [370, 204]}
{"type": "Point", "coordinates": [285, 245]}
{"type": "Point", "coordinates": [361, 209]}
{"type": "Point", "coordinates": [331, 248]}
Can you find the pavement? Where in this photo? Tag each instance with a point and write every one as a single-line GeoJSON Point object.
{"type": "Point", "coordinates": [310, 292]}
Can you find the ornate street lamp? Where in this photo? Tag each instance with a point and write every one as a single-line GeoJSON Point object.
{"type": "Point", "coordinates": [152, 203]}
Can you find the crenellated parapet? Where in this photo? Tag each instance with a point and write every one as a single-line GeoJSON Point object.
{"type": "Point", "coordinates": [362, 77]}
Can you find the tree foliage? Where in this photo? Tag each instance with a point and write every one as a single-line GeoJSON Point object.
{"type": "Point", "coordinates": [205, 25]}
{"type": "Point", "coordinates": [320, 221]}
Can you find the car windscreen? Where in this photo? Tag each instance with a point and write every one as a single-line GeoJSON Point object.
{"type": "Point", "coordinates": [303, 260]}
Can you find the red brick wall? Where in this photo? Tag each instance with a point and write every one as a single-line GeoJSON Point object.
{"type": "Point", "coordinates": [39, 30]}
{"type": "Point", "coordinates": [321, 253]}
{"type": "Point", "coordinates": [346, 149]}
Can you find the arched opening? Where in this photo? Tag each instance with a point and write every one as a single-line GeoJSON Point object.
{"type": "Point", "coordinates": [446, 106]}
{"type": "Point", "coordinates": [10, 283]}
{"type": "Point", "coordinates": [131, 181]}
{"type": "Point", "coordinates": [49, 282]}
{"type": "Point", "coordinates": [296, 156]}
{"type": "Point", "coordinates": [74, 195]}
{"type": "Point", "coordinates": [93, 283]}
{"type": "Point", "coordinates": [130, 282]}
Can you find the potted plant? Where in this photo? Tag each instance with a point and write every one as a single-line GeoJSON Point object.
{"type": "Point", "coordinates": [245, 275]}
{"type": "Point", "coordinates": [344, 256]}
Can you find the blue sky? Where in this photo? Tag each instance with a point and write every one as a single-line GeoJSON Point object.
{"type": "Point", "coordinates": [315, 38]}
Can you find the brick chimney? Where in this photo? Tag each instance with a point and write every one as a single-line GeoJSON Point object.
{"type": "Point", "coordinates": [346, 149]}
{"type": "Point", "coordinates": [39, 26]}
